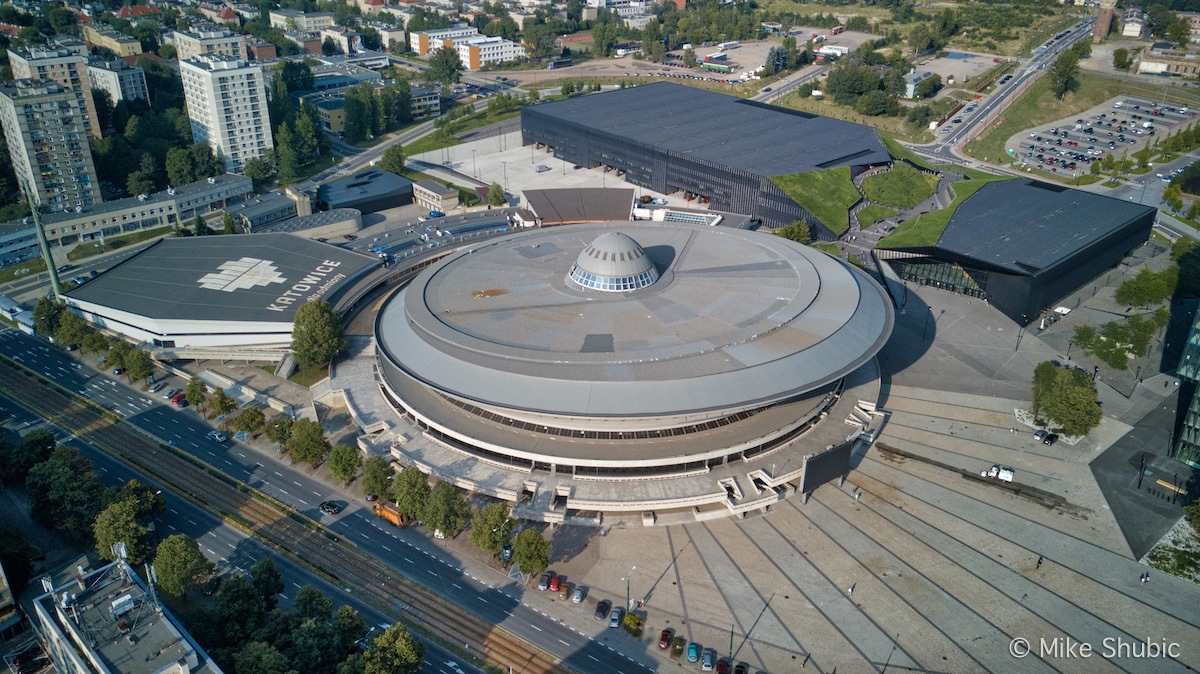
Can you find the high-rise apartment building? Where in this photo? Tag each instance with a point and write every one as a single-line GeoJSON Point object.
{"type": "Point", "coordinates": [227, 103]}
{"type": "Point", "coordinates": [45, 126]}
{"type": "Point", "coordinates": [208, 41]}
{"type": "Point", "coordinates": [60, 64]}
{"type": "Point", "coordinates": [121, 80]}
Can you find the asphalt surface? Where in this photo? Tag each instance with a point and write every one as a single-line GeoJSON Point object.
{"type": "Point", "coordinates": [494, 597]}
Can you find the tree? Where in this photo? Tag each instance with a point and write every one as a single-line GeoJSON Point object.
{"type": "Point", "coordinates": [344, 462]}
{"type": "Point", "coordinates": [250, 420]}
{"type": "Point", "coordinates": [410, 491]}
{"type": "Point", "coordinates": [308, 443]}
{"type": "Point", "coordinates": [929, 86]}
{"type": "Point", "coordinates": [65, 494]}
{"type": "Point", "coordinates": [229, 224]}
{"type": "Point", "coordinates": [392, 159]}
{"type": "Point", "coordinates": [181, 166]}
{"type": "Point", "coordinates": [221, 403]}
{"type": "Point", "coordinates": [496, 196]}
{"type": "Point", "coordinates": [267, 581]}
{"type": "Point", "coordinates": [490, 526]}
{"type": "Point", "coordinates": [873, 103]}
{"type": "Point", "coordinates": [46, 316]}
{"type": "Point", "coordinates": [296, 76]}
{"type": "Point", "coordinates": [180, 564]}
{"type": "Point", "coordinates": [1067, 396]}
{"type": "Point", "coordinates": [139, 364]}
{"type": "Point", "coordinates": [447, 509]}
{"type": "Point", "coordinates": [797, 231]}
{"type": "Point", "coordinates": [394, 652]}
{"type": "Point", "coordinates": [146, 500]}
{"type": "Point", "coordinates": [312, 604]}
{"type": "Point", "coordinates": [317, 335]}
{"type": "Point", "coordinates": [689, 58]}
{"type": "Point", "coordinates": [104, 107]}
{"type": "Point", "coordinates": [531, 552]}
{"type": "Point", "coordinates": [377, 476]}
{"type": "Point", "coordinates": [444, 66]}
{"type": "Point", "coordinates": [259, 169]}
{"type": "Point", "coordinates": [96, 342]}
{"type": "Point", "coordinates": [199, 227]}
{"type": "Point", "coordinates": [1121, 59]}
{"type": "Point", "coordinates": [118, 523]}
{"type": "Point", "coordinates": [287, 159]}
{"type": "Point", "coordinates": [279, 430]}
{"type": "Point", "coordinates": [256, 657]}
{"type": "Point", "coordinates": [329, 47]}
{"type": "Point", "coordinates": [239, 609]}
{"type": "Point", "coordinates": [196, 392]}
{"type": "Point", "coordinates": [72, 328]}
{"type": "Point", "coordinates": [1064, 73]}
{"type": "Point", "coordinates": [16, 460]}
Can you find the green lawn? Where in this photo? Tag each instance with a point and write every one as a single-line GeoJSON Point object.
{"type": "Point", "coordinates": [899, 151]}
{"type": "Point", "coordinates": [435, 141]}
{"type": "Point", "coordinates": [309, 375]}
{"type": "Point", "coordinates": [830, 248]}
{"type": "Point", "coordinates": [873, 214]}
{"type": "Point", "coordinates": [86, 250]}
{"type": "Point", "coordinates": [927, 228]}
{"type": "Point", "coordinates": [903, 186]}
{"type": "Point", "coordinates": [313, 169]}
{"type": "Point", "coordinates": [30, 268]}
{"type": "Point", "coordinates": [827, 194]}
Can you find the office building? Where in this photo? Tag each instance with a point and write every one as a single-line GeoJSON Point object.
{"type": "Point", "coordinates": [121, 80]}
{"type": "Point", "coordinates": [209, 41]}
{"type": "Point", "coordinates": [117, 42]}
{"type": "Point", "coordinates": [109, 621]}
{"type": "Point", "coordinates": [45, 127]}
{"type": "Point", "coordinates": [227, 103]}
{"type": "Point", "coordinates": [63, 65]}
{"type": "Point", "coordinates": [425, 41]}
{"type": "Point", "coordinates": [477, 52]}
{"type": "Point", "coordinates": [304, 22]}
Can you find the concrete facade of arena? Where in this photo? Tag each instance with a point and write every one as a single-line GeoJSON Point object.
{"type": "Point", "coordinates": [727, 355]}
{"type": "Point", "coordinates": [669, 138]}
{"type": "Point", "coordinates": [227, 292]}
{"type": "Point", "coordinates": [1024, 244]}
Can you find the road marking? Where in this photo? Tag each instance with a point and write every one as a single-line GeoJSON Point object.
{"type": "Point", "coordinates": [279, 473]}
{"type": "Point", "coordinates": [409, 560]}
{"type": "Point", "coordinates": [457, 585]}
{"type": "Point", "coordinates": [592, 656]}
{"type": "Point", "coordinates": [297, 483]}
{"type": "Point", "coordinates": [301, 500]}
{"type": "Point", "coordinates": [385, 547]}
{"type": "Point", "coordinates": [364, 535]}
{"type": "Point", "coordinates": [194, 522]}
{"type": "Point", "coordinates": [480, 598]}
{"type": "Point", "coordinates": [535, 627]}
{"type": "Point", "coordinates": [298, 585]}
{"type": "Point", "coordinates": [243, 456]}
{"type": "Point", "coordinates": [563, 642]}
{"type": "Point", "coordinates": [431, 572]}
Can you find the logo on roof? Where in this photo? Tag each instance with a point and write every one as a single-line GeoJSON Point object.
{"type": "Point", "coordinates": [242, 274]}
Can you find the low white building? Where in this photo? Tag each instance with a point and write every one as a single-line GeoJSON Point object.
{"type": "Point", "coordinates": [478, 52]}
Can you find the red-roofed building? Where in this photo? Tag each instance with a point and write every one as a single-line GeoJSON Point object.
{"type": "Point", "coordinates": [9, 29]}
{"type": "Point", "coordinates": [80, 17]}
{"type": "Point", "coordinates": [229, 16]}
{"type": "Point", "coordinates": [136, 11]}
{"type": "Point", "coordinates": [132, 60]}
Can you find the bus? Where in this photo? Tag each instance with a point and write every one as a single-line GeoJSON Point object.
{"type": "Point", "coordinates": [558, 63]}
{"type": "Point", "coordinates": [727, 45]}
{"type": "Point", "coordinates": [717, 67]}
{"type": "Point", "coordinates": [836, 30]}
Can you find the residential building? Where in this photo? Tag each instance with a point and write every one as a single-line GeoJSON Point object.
{"type": "Point", "coordinates": [121, 80]}
{"type": "Point", "coordinates": [1193, 22]}
{"type": "Point", "coordinates": [63, 65]}
{"type": "Point", "coordinates": [309, 43]}
{"type": "Point", "coordinates": [260, 50]}
{"type": "Point", "coordinates": [170, 208]}
{"type": "Point", "coordinates": [208, 40]}
{"type": "Point", "coordinates": [912, 79]}
{"type": "Point", "coordinates": [331, 76]}
{"type": "Point", "coordinates": [227, 103]}
{"type": "Point", "coordinates": [389, 35]}
{"type": "Point", "coordinates": [347, 41]}
{"type": "Point", "coordinates": [426, 101]}
{"type": "Point", "coordinates": [10, 616]}
{"type": "Point", "coordinates": [1133, 22]}
{"type": "Point", "coordinates": [425, 41]}
{"type": "Point", "coordinates": [134, 12]}
{"type": "Point", "coordinates": [45, 126]}
{"type": "Point", "coordinates": [304, 22]}
{"type": "Point", "coordinates": [108, 620]}
{"type": "Point", "coordinates": [475, 52]}
{"type": "Point", "coordinates": [103, 36]}
{"type": "Point", "coordinates": [638, 21]}
{"type": "Point", "coordinates": [331, 104]}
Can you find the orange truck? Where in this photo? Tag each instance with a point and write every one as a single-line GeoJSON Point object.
{"type": "Point", "coordinates": [391, 514]}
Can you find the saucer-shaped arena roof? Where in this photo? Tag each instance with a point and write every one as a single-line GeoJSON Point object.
{"type": "Point", "coordinates": [737, 319]}
{"type": "Point", "coordinates": [613, 263]}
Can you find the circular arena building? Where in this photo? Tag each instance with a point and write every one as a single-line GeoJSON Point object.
{"type": "Point", "coordinates": [652, 367]}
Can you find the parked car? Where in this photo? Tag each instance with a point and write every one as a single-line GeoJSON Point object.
{"type": "Point", "coordinates": [723, 666]}
{"type": "Point", "coordinates": [118, 371]}
{"type": "Point", "coordinates": [742, 668]}
{"type": "Point", "coordinates": [614, 618]}
{"type": "Point", "coordinates": [555, 581]}
{"type": "Point", "coordinates": [693, 652]}
{"type": "Point", "coordinates": [1040, 434]}
{"type": "Point", "coordinates": [577, 596]}
{"type": "Point", "coordinates": [1050, 439]}
{"type": "Point", "coordinates": [708, 659]}
{"type": "Point", "coordinates": [564, 591]}
{"type": "Point", "coordinates": [664, 640]}
{"type": "Point", "coordinates": [544, 581]}
{"type": "Point", "coordinates": [170, 394]}
{"type": "Point", "coordinates": [601, 608]}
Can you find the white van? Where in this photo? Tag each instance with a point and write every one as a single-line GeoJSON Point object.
{"type": "Point", "coordinates": [1118, 104]}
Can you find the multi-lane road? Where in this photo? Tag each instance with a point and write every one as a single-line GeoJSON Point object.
{"type": "Point", "coordinates": [495, 597]}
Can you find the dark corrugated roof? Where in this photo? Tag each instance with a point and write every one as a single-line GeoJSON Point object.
{"type": "Point", "coordinates": [585, 204]}
{"type": "Point", "coordinates": [754, 137]}
{"type": "Point", "coordinates": [1026, 225]}
{"type": "Point", "coordinates": [235, 277]}
{"type": "Point", "coordinates": [369, 184]}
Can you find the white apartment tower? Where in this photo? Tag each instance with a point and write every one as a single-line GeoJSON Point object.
{"type": "Point", "coordinates": [45, 126]}
{"type": "Point", "coordinates": [62, 65]}
{"type": "Point", "coordinates": [227, 103]}
{"type": "Point", "coordinates": [209, 41]}
{"type": "Point", "coordinates": [121, 80]}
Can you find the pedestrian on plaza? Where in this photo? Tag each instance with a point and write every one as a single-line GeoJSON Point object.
{"type": "Point", "coordinates": [850, 592]}
{"type": "Point", "coordinates": [1039, 564]}
{"type": "Point", "coordinates": [856, 495]}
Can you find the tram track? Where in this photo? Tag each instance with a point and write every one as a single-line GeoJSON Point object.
{"type": "Point", "coordinates": [286, 531]}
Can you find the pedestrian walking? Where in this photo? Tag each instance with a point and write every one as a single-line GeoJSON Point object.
{"type": "Point", "coordinates": [1039, 564]}
{"type": "Point", "coordinates": [850, 592]}
{"type": "Point", "coordinates": [856, 495]}
{"type": "Point", "coordinates": [1013, 431]}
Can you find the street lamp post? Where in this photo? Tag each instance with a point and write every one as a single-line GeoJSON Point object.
{"type": "Point", "coordinates": [627, 604]}
{"type": "Point", "coordinates": [505, 174]}
{"type": "Point", "coordinates": [474, 164]}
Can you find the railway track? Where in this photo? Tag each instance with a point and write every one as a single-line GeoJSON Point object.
{"type": "Point", "coordinates": [274, 524]}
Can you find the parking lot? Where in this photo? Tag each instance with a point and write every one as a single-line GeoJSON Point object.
{"type": "Point", "coordinates": [1125, 124]}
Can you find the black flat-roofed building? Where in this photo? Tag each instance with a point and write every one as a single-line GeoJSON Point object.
{"type": "Point", "coordinates": [367, 191]}
{"type": "Point", "coordinates": [1024, 244]}
{"type": "Point", "coordinates": [669, 138]}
